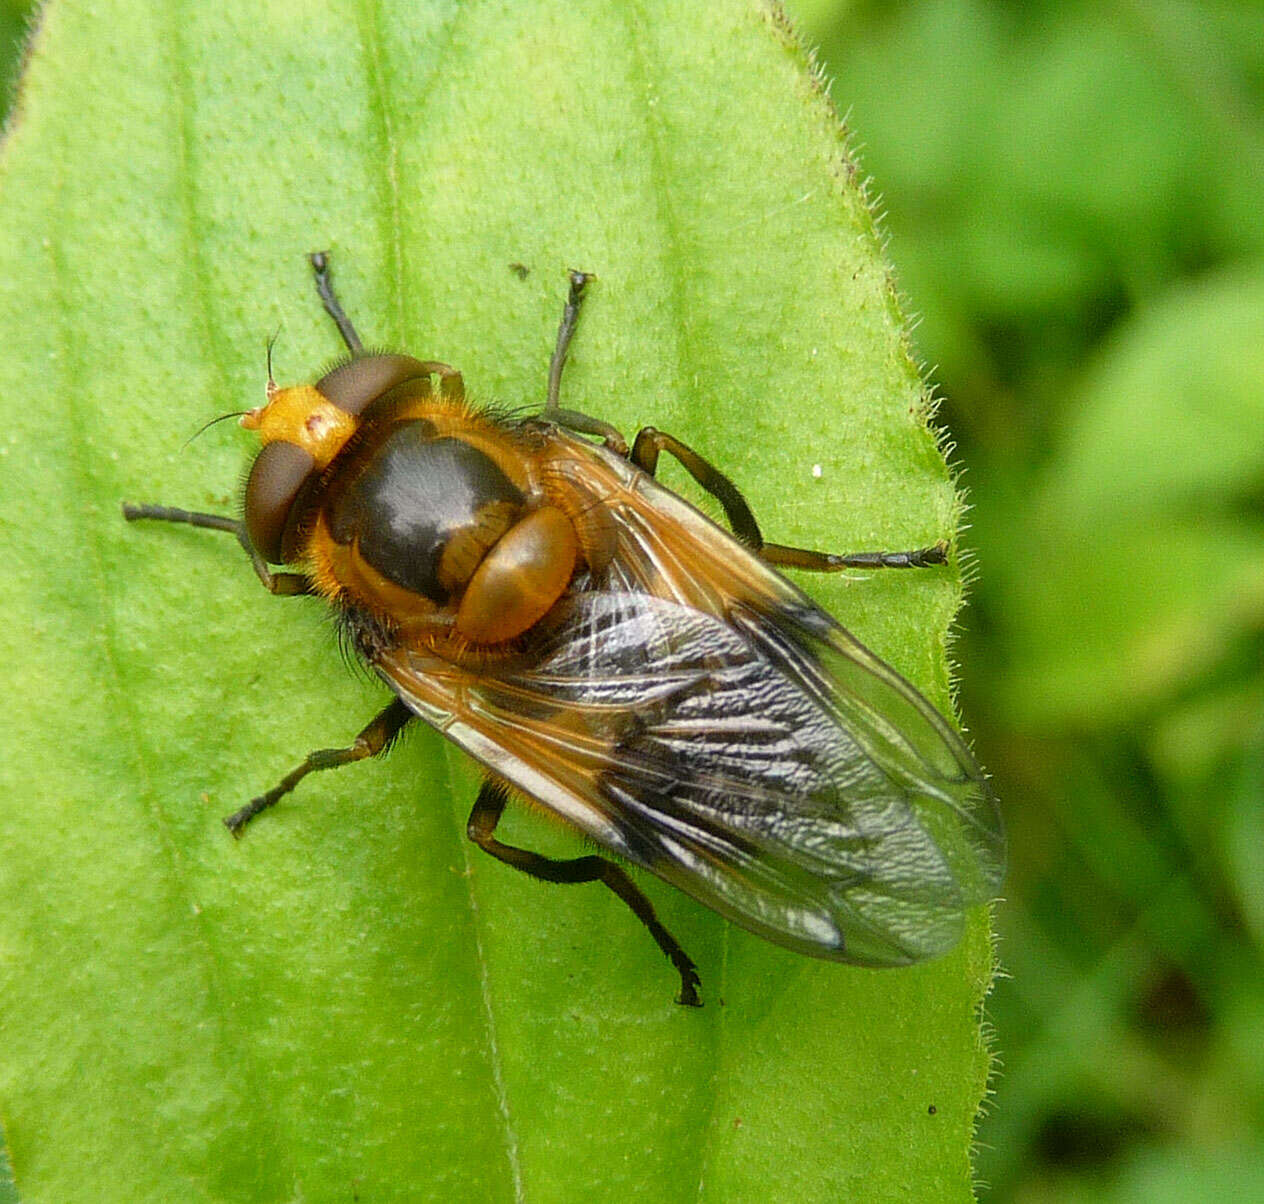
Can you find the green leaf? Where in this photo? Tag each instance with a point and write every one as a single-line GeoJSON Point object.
{"type": "Point", "coordinates": [350, 1001]}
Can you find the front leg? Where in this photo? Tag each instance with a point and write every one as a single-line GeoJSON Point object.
{"type": "Point", "coordinates": [284, 584]}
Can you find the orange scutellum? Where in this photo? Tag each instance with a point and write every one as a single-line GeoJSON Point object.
{"type": "Point", "coordinates": [302, 415]}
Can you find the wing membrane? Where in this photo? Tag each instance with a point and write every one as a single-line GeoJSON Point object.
{"type": "Point", "coordinates": [695, 713]}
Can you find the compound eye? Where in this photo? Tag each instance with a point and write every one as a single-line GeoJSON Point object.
{"type": "Point", "coordinates": [278, 473]}
{"type": "Point", "coordinates": [356, 385]}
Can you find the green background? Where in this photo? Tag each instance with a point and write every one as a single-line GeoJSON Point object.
{"type": "Point", "coordinates": [1073, 204]}
{"type": "Point", "coordinates": [350, 1003]}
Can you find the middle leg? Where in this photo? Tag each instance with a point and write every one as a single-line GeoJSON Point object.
{"type": "Point", "coordinates": [650, 443]}
{"type": "Point", "coordinates": [376, 738]}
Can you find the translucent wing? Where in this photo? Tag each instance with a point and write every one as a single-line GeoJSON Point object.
{"type": "Point", "coordinates": [695, 713]}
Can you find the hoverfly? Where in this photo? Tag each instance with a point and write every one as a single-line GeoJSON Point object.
{"type": "Point", "coordinates": [601, 646]}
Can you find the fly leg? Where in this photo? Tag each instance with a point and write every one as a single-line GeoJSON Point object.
{"type": "Point", "coordinates": [829, 562]}
{"type": "Point", "coordinates": [651, 442]}
{"type": "Point", "coordinates": [488, 808]}
{"type": "Point", "coordinates": [451, 384]}
{"type": "Point", "coordinates": [333, 307]}
{"type": "Point", "coordinates": [573, 420]}
{"type": "Point", "coordinates": [287, 584]}
{"type": "Point", "coordinates": [645, 451]}
{"type": "Point", "coordinates": [376, 738]}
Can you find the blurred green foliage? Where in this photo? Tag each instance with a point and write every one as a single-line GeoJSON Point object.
{"type": "Point", "coordinates": [14, 15]}
{"type": "Point", "coordinates": [1073, 194]}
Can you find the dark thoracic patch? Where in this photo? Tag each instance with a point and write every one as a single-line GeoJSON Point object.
{"type": "Point", "coordinates": [411, 497]}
